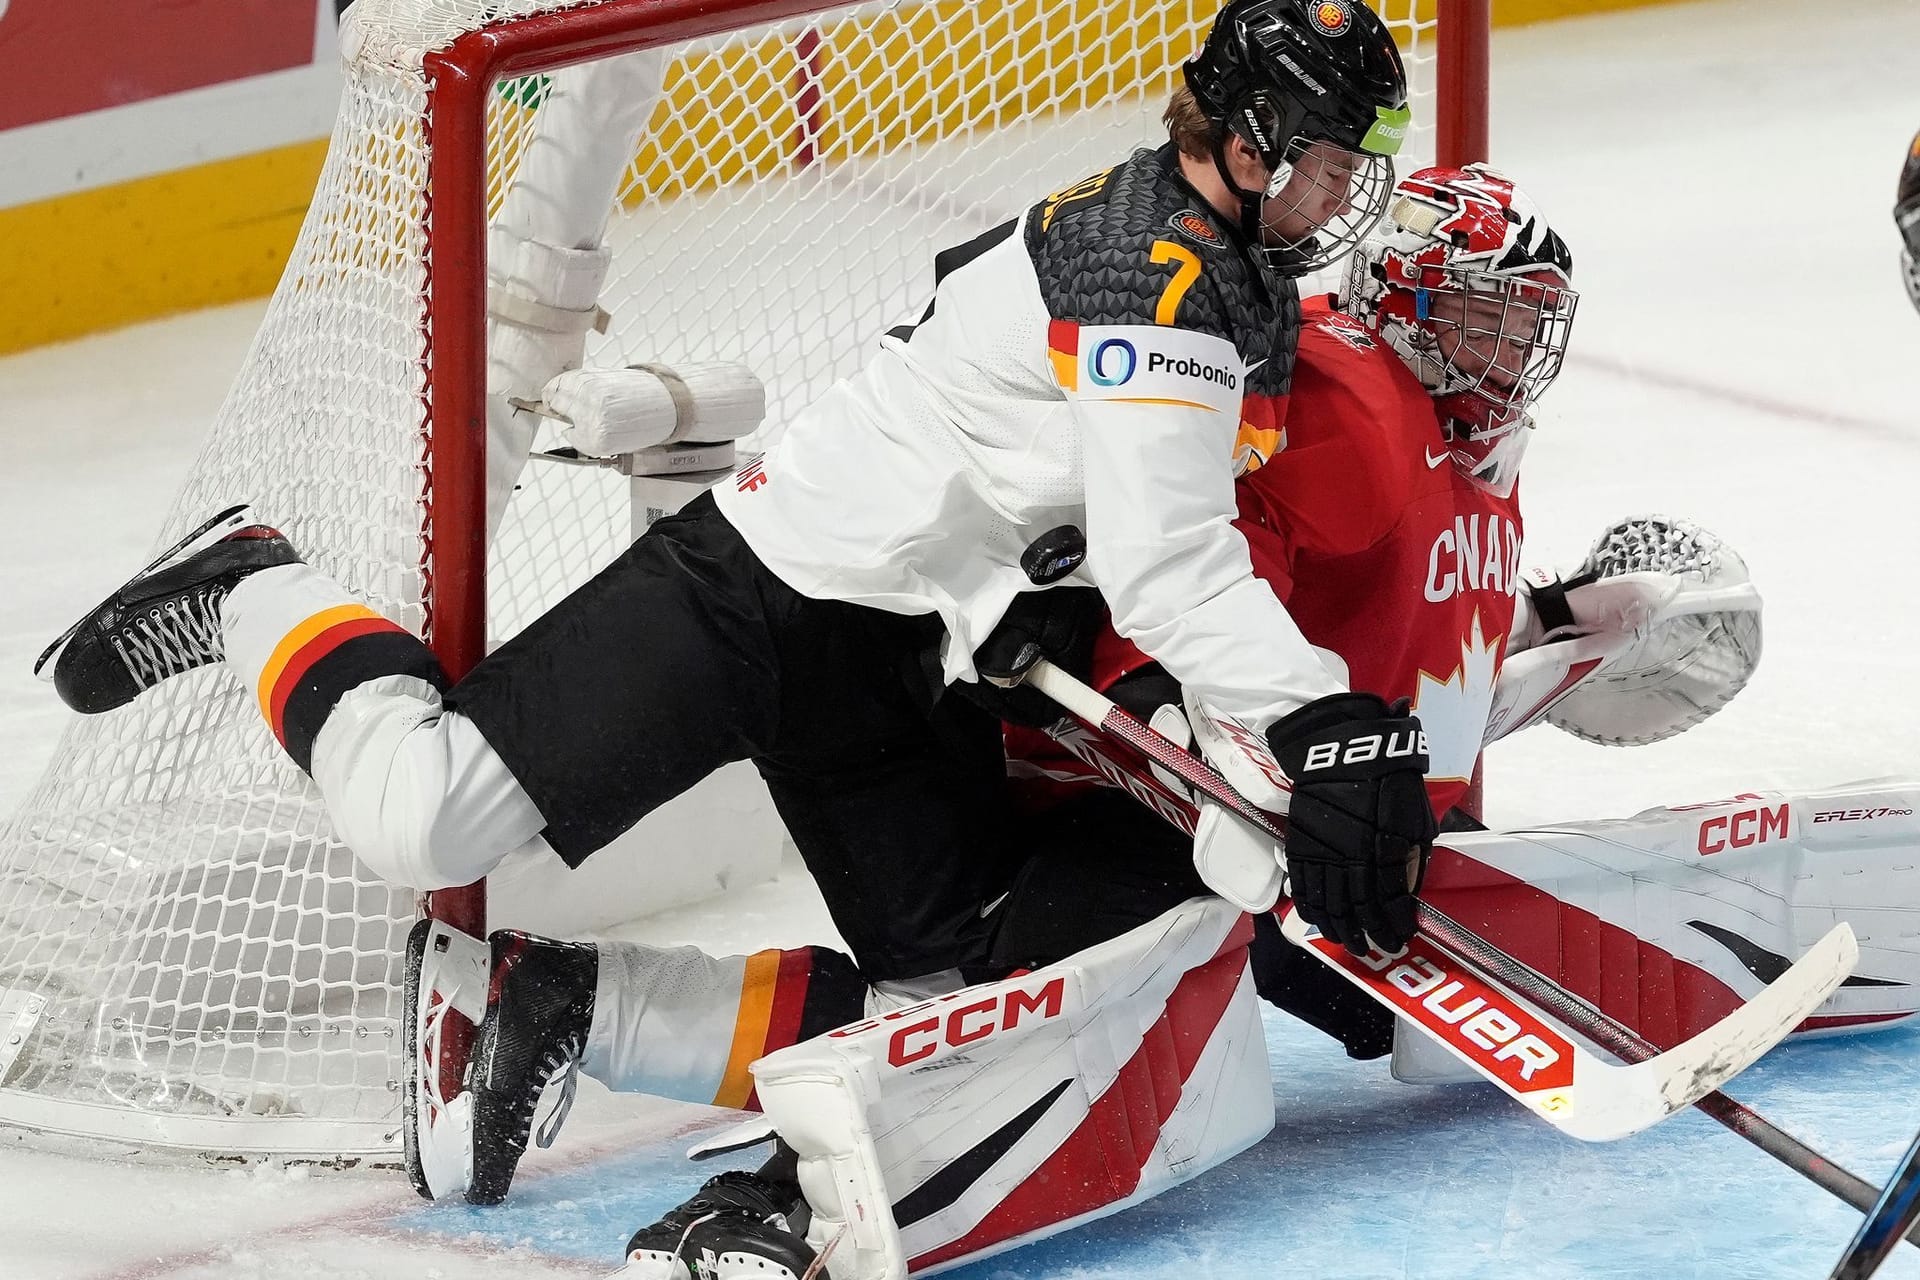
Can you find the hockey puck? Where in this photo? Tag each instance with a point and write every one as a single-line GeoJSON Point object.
{"type": "Point", "coordinates": [1053, 555]}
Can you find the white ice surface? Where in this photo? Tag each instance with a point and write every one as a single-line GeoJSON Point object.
{"type": "Point", "coordinates": [1745, 357]}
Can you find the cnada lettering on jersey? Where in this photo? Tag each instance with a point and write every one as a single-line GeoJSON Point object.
{"type": "Point", "coordinates": [1480, 553]}
{"type": "Point", "coordinates": [1146, 364]}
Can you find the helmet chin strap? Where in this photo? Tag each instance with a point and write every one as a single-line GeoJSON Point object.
{"type": "Point", "coordinates": [1250, 201]}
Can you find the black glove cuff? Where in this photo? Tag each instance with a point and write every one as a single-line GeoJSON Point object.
{"type": "Point", "coordinates": [1550, 608]}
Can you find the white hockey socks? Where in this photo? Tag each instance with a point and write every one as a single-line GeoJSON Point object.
{"type": "Point", "coordinates": [678, 1023]}
{"type": "Point", "coordinates": [354, 698]}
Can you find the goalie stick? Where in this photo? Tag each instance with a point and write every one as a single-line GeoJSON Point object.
{"type": "Point", "coordinates": [1890, 1219]}
{"type": "Point", "coordinates": [1486, 1008]}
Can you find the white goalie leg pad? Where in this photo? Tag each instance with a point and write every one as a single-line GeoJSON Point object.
{"type": "Point", "coordinates": [1672, 918]}
{"type": "Point", "coordinates": [962, 1126]}
{"type": "Point", "coordinates": [610, 412]}
{"type": "Point", "coordinates": [546, 256]}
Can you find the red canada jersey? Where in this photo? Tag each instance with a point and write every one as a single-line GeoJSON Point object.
{"type": "Point", "coordinates": [1384, 552]}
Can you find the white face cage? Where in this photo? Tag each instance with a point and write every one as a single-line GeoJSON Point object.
{"type": "Point", "coordinates": [1501, 338]}
{"type": "Point", "coordinates": [1320, 202]}
{"type": "Point", "coordinates": [1488, 347]}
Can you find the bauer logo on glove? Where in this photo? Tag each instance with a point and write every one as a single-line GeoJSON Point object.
{"type": "Point", "coordinates": [1365, 749]}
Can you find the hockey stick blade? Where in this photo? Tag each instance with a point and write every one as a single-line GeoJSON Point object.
{"type": "Point", "coordinates": [1891, 1218]}
{"type": "Point", "coordinates": [1526, 1052]}
{"type": "Point", "coordinates": [1478, 1015]}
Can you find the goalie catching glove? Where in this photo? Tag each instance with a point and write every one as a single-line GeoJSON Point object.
{"type": "Point", "coordinates": [1657, 629]}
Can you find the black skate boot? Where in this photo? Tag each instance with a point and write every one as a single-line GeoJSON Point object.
{"type": "Point", "coordinates": [164, 621]}
{"type": "Point", "coordinates": [738, 1225]}
{"type": "Point", "coordinates": [539, 1009]}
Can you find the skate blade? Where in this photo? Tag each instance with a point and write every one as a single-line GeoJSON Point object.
{"type": "Point", "coordinates": [655, 1265]}
{"type": "Point", "coordinates": [236, 517]}
{"type": "Point", "coordinates": [446, 976]}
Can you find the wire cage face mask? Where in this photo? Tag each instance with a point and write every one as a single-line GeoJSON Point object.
{"type": "Point", "coordinates": [1488, 347]}
{"type": "Point", "coordinates": [1502, 339]}
{"type": "Point", "coordinates": [1320, 202]}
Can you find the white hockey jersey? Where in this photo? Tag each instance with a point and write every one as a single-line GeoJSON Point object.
{"type": "Point", "coordinates": [1111, 360]}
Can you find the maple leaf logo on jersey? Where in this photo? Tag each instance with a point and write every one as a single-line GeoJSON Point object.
{"type": "Point", "coordinates": [1453, 709]}
{"type": "Point", "coordinates": [1349, 331]}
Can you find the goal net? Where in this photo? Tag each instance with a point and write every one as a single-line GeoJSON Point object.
{"type": "Point", "coordinates": [189, 958]}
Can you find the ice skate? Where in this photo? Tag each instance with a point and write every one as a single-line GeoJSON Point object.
{"type": "Point", "coordinates": [739, 1224]}
{"type": "Point", "coordinates": [166, 620]}
{"type": "Point", "coordinates": [539, 1009]}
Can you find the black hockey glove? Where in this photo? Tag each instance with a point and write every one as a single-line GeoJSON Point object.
{"type": "Point", "coordinates": [1359, 824]}
{"type": "Point", "coordinates": [1059, 624]}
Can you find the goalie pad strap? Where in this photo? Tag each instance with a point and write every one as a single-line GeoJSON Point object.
{"type": "Point", "coordinates": [543, 286]}
{"type": "Point", "coordinates": [511, 308]}
{"type": "Point", "coordinates": [684, 410]}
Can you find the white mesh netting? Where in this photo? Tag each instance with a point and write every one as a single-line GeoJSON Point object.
{"type": "Point", "coordinates": [188, 958]}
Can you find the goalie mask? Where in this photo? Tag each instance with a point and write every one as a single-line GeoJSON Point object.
{"type": "Point", "coordinates": [1906, 216]}
{"type": "Point", "coordinates": [1466, 280]}
{"type": "Point", "coordinates": [1316, 87]}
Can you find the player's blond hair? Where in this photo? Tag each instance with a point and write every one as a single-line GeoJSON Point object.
{"type": "Point", "coordinates": [1188, 126]}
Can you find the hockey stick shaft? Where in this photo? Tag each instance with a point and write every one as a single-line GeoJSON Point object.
{"type": "Point", "coordinates": [1891, 1219]}
{"type": "Point", "coordinates": [1103, 715]}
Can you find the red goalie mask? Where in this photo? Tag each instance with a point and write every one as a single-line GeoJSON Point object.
{"type": "Point", "coordinates": [1465, 279]}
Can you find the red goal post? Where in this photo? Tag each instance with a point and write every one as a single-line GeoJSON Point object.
{"type": "Point", "coordinates": [189, 958]}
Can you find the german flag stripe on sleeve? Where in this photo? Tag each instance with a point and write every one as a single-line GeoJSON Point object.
{"type": "Point", "coordinates": [324, 658]}
{"type": "Point", "coordinates": [1063, 351]}
{"type": "Point", "coordinates": [750, 1027]}
{"type": "Point", "coordinates": [787, 997]}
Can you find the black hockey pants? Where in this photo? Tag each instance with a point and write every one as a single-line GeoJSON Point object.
{"type": "Point", "coordinates": [687, 653]}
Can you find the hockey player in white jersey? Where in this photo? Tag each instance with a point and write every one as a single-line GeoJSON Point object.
{"type": "Point", "coordinates": [1106, 360]}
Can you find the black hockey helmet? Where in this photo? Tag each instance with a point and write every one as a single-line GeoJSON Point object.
{"type": "Point", "coordinates": [1906, 216]}
{"type": "Point", "coordinates": [1284, 75]}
